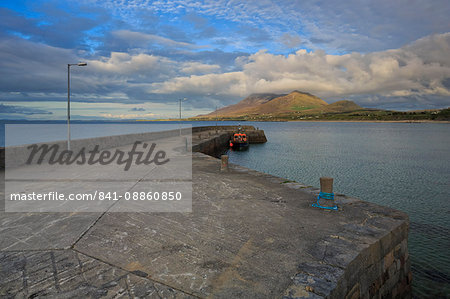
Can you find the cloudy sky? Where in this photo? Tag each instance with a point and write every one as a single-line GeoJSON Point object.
{"type": "Point", "coordinates": [144, 55]}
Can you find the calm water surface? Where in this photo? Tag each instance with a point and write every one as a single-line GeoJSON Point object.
{"type": "Point", "coordinates": [401, 165]}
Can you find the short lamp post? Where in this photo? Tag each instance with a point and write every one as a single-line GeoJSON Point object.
{"type": "Point", "coordinates": [181, 100]}
{"type": "Point", "coordinates": [68, 99]}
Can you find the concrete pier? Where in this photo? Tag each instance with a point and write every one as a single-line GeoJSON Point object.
{"type": "Point", "coordinates": [250, 235]}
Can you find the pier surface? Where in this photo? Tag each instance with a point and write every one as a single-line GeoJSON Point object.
{"type": "Point", "coordinates": [250, 235]}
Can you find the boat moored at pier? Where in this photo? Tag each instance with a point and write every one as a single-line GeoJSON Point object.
{"type": "Point", "coordinates": [239, 141]}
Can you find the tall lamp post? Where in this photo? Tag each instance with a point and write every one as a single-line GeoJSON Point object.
{"type": "Point", "coordinates": [181, 100]}
{"type": "Point", "coordinates": [68, 99]}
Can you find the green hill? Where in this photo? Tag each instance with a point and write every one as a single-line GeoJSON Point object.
{"type": "Point", "coordinates": [295, 101]}
{"type": "Point", "coordinates": [304, 106]}
{"type": "Point", "coordinates": [259, 104]}
{"type": "Point", "coordinates": [275, 105]}
{"type": "Point", "coordinates": [244, 106]}
{"type": "Point", "coordinates": [337, 107]}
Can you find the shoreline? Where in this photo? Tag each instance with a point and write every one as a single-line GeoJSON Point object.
{"type": "Point", "coordinates": [377, 121]}
{"type": "Point", "coordinates": [336, 121]}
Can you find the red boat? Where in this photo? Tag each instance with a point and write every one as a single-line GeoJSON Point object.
{"type": "Point", "coordinates": [239, 141]}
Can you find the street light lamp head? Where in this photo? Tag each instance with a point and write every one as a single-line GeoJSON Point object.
{"type": "Point", "coordinates": [82, 64]}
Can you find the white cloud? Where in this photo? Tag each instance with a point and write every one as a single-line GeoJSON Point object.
{"type": "Point", "coordinates": [411, 70]}
{"type": "Point", "coordinates": [291, 40]}
{"type": "Point", "coordinates": [133, 37]}
{"type": "Point", "coordinates": [419, 71]}
{"type": "Point", "coordinates": [350, 25]}
{"type": "Point", "coordinates": [124, 63]}
{"type": "Point", "coordinates": [211, 84]}
{"type": "Point", "coordinates": [195, 68]}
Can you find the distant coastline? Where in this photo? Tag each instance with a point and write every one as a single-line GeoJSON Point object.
{"type": "Point", "coordinates": [378, 121]}
{"type": "Point", "coordinates": [303, 106]}
{"type": "Point", "coordinates": [304, 120]}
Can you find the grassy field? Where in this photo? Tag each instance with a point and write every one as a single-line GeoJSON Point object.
{"type": "Point", "coordinates": [358, 115]}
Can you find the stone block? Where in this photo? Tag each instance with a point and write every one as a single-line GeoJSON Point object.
{"type": "Point", "coordinates": [371, 278]}
{"type": "Point", "coordinates": [393, 271]}
{"type": "Point", "coordinates": [407, 267]}
{"type": "Point", "coordinates": [317, 285]}
{"type": "Point", "coordinates": [398, 264]}
{"type": "Point", "coordinates": [391, 283]}
{"type": "Point", "coordinates": [385, 277]}
{"type": "Point", "coordinates": [341, 289]}
{"type": "Point", "coordinates": [385, 244]}
{"type": "Point", "coordinates": [395, 237]}
{"type": "Point", "coordinates": [354, 293]}
{"type": "Point", "coordinates": [388, 260]}
{"type": "Point", "coordinates": [325, 271]}
{"type": "Point", "coordinates": [374, 288]}
{"type": "Point", "coordinates": [374, 254]}
{"type": "Point", "coordinates": [402, 286]}
{"type": "Point", "coordinates": [401, 249]}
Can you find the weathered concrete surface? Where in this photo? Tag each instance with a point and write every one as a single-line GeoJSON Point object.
{"type": "Point", "coordinates": [40, 231]}
{"type": "Point", "coordinates": [250, 235]}
{"type": "Point", "coordinates": [70, 274]}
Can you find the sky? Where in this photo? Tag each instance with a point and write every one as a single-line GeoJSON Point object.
{"type": "Point", "coordinates": [143, 56]}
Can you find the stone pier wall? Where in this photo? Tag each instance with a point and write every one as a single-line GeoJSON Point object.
{"type": "Point", "coordinates": [213, 146]}
{"type": "Point", "coordinates": [213, 141]}
{"type": "Point", "coordinates": [254, 135]}
{"type": "Point", "coordinates": [374, 268]}
{"type": "Point", "coordinates": [382, 270]}
{"type": "Point", "coordinates": [19, 154]}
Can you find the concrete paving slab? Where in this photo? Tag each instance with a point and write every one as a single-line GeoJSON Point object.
{"type": "Point", "coordinates": [39, 231]}
{"type": "Point", "coordinates": [69, 274]}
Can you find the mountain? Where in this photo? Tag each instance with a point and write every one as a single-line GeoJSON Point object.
{"type": "Point", "coordinates": [299, 106]}
{"type": "Point", "coordinates": [296, 103]}
{"type": "Point", "coordinates": [245, 105]}
{"type": "Point", "coordinates": [337, 107]}
{"type": "Point", "coordinates": [268, 103]}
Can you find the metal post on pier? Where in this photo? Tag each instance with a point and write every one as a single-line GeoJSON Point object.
{"type": "Point", "coordinates": [180, 100]}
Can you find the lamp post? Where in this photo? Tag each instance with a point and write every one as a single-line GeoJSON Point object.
{"type": "Point", "coordinates": [216, 121]}
{"type": "Point", "coordinates": [184, 99]}
{"type": "Point", "coordinates": [68, 99]}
